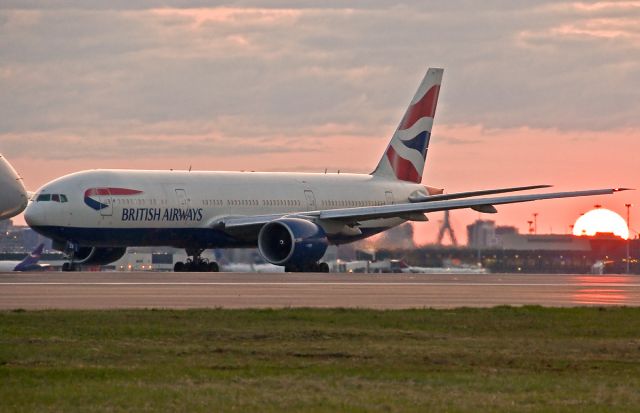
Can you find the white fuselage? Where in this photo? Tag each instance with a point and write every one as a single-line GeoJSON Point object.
{"type": "Point", "coordinates": [13, 196]}
{"type": "Point", "coordinates": [180, 208]}
{"type": "Point", "coordinates": [8, 266]}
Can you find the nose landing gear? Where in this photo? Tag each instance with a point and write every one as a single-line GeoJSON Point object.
{"type": "Point", "coordinates": [70, 250]}
{"type": "Point", "coordinates": [196, 263]}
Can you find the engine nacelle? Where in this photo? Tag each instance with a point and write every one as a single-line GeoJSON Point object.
{"type": "Point", "coordinates": [98, 255]}
{"type": "Point", "coordinates": [292, 241]}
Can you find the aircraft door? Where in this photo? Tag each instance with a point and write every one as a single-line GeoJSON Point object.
{"type": "Point", "coordinates": [311, 200]}
{"type": "Point", "coordinates": [183, 200]}
{"type": "Point", "coordinates": [389, 198]}
{"type": "Point", "coordinates": [104, 197]}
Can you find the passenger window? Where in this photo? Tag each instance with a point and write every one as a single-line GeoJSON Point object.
{"type": "Point", "coordinates": [44, 197]}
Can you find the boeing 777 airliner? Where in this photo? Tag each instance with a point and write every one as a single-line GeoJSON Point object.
{"type": "Point", "coordinates": [290, 217]}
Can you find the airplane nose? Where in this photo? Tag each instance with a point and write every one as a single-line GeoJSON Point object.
{"type": "Point", "coordinates": [33, 215]}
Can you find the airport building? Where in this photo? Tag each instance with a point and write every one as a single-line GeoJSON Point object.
{"type": "Point", "coordinates": [487, 235]}
{"type": "Point", "coordinates": [504, 250]}
{"type": "Point", "coordinates": [16, 239]}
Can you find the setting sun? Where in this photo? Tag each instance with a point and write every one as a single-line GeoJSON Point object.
{"type": "Point", "coordinates": [603, 221]}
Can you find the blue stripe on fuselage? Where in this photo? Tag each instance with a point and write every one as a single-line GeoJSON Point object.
{"type": "Point", "coordinates": [139, 237]}
{"type": "Point", "coordinates": [94, 204]}
{"type": "Point", "coordinates": [163, 237]}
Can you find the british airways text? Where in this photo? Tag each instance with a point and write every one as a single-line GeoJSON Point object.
{"type": "Point", "coordinates": [162, 214]}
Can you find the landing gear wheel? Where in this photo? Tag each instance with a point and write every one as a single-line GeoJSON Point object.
{"type": "Point", "coordinates": [314, 267]}
{"type": "Point", "coordinates": [67, 266]}
{"type": "Point", "coordinates": [290, 268]}
{"type": "Point", "coordinates": [196, 263]}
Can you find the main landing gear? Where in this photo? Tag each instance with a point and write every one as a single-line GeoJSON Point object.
{"type": "Point", "coordinates": [196, 263]}
{"type": "Point", "coordinates": [313, 267]}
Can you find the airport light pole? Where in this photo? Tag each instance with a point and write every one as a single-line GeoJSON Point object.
{"type": "Point", "coordinates": [628, 237]}
{"type": "Point", "coordinates": [535, 223]}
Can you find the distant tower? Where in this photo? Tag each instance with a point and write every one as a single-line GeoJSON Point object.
{"type": "Point", "coordinates": [446, 227]}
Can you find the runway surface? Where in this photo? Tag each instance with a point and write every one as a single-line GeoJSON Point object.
{"type": "Point", "coordinates": [102, 290]}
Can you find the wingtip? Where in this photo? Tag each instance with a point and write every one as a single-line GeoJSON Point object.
{"type": "Point", "coordinates": [623, 189]}
{"type": "Point", "coordinates": [541, 186]}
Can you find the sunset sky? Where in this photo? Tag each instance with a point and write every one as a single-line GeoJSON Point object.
{"type": "Point", "coordinates": [534, 92]}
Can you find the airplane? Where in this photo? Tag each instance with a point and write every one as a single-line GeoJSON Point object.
{"type": "Point", "coordinates": [291, 218]}
{"type": "Point", "coordinates": [13, 196]}
{"type": "Point", "coordinates": [403, 267]}
{"type": "Point", "coordinates": [29, 263]}
{"type": "Point", "coordinates": [242, 267]}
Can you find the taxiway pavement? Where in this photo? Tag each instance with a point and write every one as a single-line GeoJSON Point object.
{"type": "Point", "coordinates": [110, 290]}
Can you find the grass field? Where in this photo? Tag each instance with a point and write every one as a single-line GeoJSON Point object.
{"type": "Point", "coordinates": [501, 359]}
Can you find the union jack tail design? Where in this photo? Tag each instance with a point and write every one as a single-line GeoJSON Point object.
{"type": "Point", "coordinates": [405, 156]}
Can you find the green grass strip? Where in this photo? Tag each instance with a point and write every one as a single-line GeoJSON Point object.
{"type": "Point", "coordinates": [321, 360]}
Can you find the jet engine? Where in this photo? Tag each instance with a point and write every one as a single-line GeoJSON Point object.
{"type": "Point", "coordinates": [98, 255]}
{"type": "Point", "coordinates": [296, 243]}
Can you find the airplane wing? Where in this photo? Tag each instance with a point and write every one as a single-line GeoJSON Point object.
{"type": "Point", "coordinates": [458, 195]}
{"type": "Point", "coordinates": [357, 214]}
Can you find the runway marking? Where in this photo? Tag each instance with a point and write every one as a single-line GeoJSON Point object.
{"type": "Point", "coordinates": [318, 283]}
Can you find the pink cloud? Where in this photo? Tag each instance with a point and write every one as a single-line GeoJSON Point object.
{"type": "Point", "coordinates": [200, 16]}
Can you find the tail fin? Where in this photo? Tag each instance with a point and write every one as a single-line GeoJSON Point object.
{"type": "Point", "coordinates": [405, 156]}
{"type": "Point", "coordinates": [31, 259]}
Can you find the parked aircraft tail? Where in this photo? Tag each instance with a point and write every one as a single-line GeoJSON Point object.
{"type": "Point", "coordinates": [30, 260]}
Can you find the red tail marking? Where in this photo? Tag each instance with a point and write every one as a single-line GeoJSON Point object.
{"type": "Point", "coordinates": [424, 108]}
{"type": "Point", "coordinates": [403, 168]}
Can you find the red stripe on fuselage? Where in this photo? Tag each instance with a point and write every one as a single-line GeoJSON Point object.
{"type": "Point", "coordinates": [110, 191]}
{"type": "Point", "coordinates": [424, 108]}
{"type": "Point", "coordinates": [403, 168]}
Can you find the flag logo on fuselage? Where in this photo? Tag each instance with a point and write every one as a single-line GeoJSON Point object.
{"type": "Point", "coordinates": [101, 194]}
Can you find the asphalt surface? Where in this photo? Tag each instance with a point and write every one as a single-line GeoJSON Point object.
{"type": "Point", "coordinates": [104, 290]}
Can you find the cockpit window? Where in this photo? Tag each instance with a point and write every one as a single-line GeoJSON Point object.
{"type": "Point", "coordinates": [52, 197]}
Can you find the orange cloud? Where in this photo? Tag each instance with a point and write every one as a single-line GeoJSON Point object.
{"type": "Point", "coordinates": [200, 16]}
